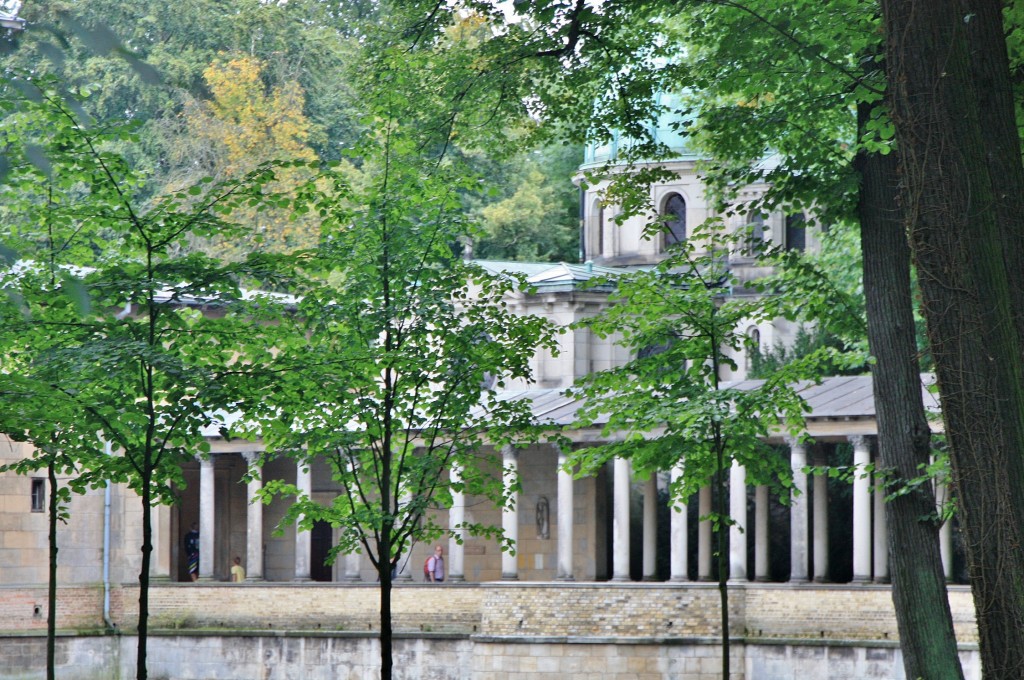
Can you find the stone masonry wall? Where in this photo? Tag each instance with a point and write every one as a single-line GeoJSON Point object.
{"type": "Point", "coordinates": [549, 610]}
{"type": "Point", "coordinates": [310, 606]}
{"type": "Point", "coordinates": [495, 631]}
{"type": "Point", "coordinates": [25, 608]}
{"type": "Point", "coordinates": [349, 656]}
{"type": "Point", "coordinates": [596, 610]}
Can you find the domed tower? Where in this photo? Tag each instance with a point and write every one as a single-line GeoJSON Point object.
{"type": "Point", "coordinates": [680, 201]}
{"type": "Point", "coordinates": [679, 205]}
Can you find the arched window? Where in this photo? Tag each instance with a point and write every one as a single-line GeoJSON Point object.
{"type": "Point", "coordinates": [594, 246]}
{"type": "Point", "coordinates": [796, 232]}
{"type": "Point", "coordinates": [754, 238]}
{"type": "Point", "coordinates": [753, 347]}
{"type": "Point", "coordinates": [673, 217]}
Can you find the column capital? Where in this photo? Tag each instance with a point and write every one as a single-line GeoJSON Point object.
{"type": "Point", "coordinates": [795, 441]}
{"type": "Point", "coordinates": [205, 459]}
{"type": "Point", "coordinates": [509, 452]}
{"type": "Point", "coordinates": [860, 441]}
{"type": "Point", "coordinates": [251, 457]}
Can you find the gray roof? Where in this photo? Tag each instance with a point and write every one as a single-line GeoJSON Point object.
{"type": "Point", "coordinates": [842, 398]}
{"type": "Point", "coordinates": [550, 276]}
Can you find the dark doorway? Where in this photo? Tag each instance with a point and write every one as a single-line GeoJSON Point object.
{"type": "Point", "coordinates": [322, 540]}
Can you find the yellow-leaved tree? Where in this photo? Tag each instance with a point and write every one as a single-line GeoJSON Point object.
{"type": "Point", "coordinates": [247, 122]}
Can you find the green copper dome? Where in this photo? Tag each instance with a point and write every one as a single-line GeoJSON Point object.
{"type": "Point", "coordinates": [664, 130]}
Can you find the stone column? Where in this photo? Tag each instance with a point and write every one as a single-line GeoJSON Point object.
{"type": "Point", "coordinates": [678, 536]}
{"type": "Point", "coordinates": [704, 535]}
{"type": "Point", "coordinates": [352, 565]}
{"type": "Point", "coordinates": [650, 564]}
{"type": "Point", "coordinates": [403, 574]}
{"type": "Point", "coordinates": [738, 530]}
{"type": "Point", "coordinates": [456, 518]}
{"type": "Point", "coordinates": [160, 564]}
{"type": "Point", "coordinates": [821, 522]}
{"type": "Point", "coordinates": [510, 513]}
{"type": "Point", "coordinates": [403, 570]}
{"type": "Point", "coordinates": [565, 518]}
{"type": "Point", "coordinates": [207, 517]}
{"type": "Point", "coordinates": [620, 521]}
{"type": "Point", "coordinates": [761, 542]}
{"type": "Point", "coordinates": [945, 531]}
{"type": "Point", "coordinates": [254, 520]}
{"type": "Point", "coordinates": [303, 539]}
{"type": "Point", "coordinates": [881, 533]}
{"type": "Point", "coordinates": [861, 510]}
{"type": "Point", "coordinates": [798, 513]}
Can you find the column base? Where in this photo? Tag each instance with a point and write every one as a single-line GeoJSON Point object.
{"type": "Point", "coordinates": [402, 578]}
{"type": "Point", "coordinates": [510, 577]}
{"type": "Point", "coordinates": [883, 581]}
{"type": "Point", "coordinates": [160, 579]}
{"type": "Point", "coordinates": [254, 579]}
{"type": "Point", "coordinates": [456, 579]}
{"type": "Point", "coordinates": [799, 581]}
{"type": "Point", "coordinates": [302, 579]}
{"type": "Point", "coordinates": [821, 579]}
{"type": "Point", "coordinates": [861, 580]}
{"type": "Point", "coordinates": [650, 579]}
{"type": "Point", "coordinates": [565, 578]}
{"type": "Point", "coordinates": [679, 579]}
{"type": "Point", "coordinates": [621, 579]}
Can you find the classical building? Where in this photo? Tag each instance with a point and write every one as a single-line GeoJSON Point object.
{"type": "Point", "coordinates": [603, 565]}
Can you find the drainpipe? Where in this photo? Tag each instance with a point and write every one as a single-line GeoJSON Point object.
{"type": "Point", "coordinates": [109, 451]}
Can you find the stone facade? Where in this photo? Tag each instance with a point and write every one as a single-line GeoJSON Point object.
{"type": "Point", "coordinates": [496, 631]}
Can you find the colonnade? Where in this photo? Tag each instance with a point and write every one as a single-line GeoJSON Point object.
{"type": "Point", "coordinates": [807, 547]}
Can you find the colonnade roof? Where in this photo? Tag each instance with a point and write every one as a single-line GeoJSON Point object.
{"type": "Point", "coordinates": [838, 407]}
{"type": "Point", "coordinates": [835, 405]}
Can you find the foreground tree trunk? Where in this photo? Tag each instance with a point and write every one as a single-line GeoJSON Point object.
{"type": "Point", "coordinates": [950, 204]}
{"type": "Point", "coordinates": [996, 110]}
{"type": "Point", "coordinates": [918, 582]}
{"type": "Point", "coordinates": [51, 607]}
{"type": "Point", "coordinates": [141, 668]}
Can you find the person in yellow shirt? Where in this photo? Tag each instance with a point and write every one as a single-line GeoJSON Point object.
{"type": "Point", "coordinates": [237, 571]}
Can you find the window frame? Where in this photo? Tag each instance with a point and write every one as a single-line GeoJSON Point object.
{"type": "Point", "coordinates": [37, 495]}
{"type": "Point", "coordinates": [670, 235]}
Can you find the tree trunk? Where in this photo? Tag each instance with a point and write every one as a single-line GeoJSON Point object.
{"type": "Point", "coordinates": [994, 88]}
{"type": "Point", "coordinates": [918, 582]}
{"type": "Point", "coordinates": [147, 550]}
{"type": "Point", "coordinates": [949, 202]}
{"type": "Point", "coordinates": [384, 570]}
{"type": "Point", "coordinates": [721, 533]}
{"type": "Point", "coordinates": [51, 605]}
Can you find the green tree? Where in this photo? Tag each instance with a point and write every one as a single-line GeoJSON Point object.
{"type": "Point", "coordinates": [388, 370]}
{"type": "Point", "coordinates": [779, 81]}
{"type": "Point", "coordinates": [145, 61]}
{"type": "Point", "coordinates": [35, 413]}
{"type": "Point", "coordinates": [537, 218]}
{"type": "Point", "coordinates": [672, 403]}
{"type": "Point", "coordinates": [140, 364]}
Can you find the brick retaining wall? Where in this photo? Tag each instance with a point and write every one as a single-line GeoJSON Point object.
{"type": "Point", "coordinates": [630, 610]}
{"type": "Point", "coordinates": [492, 631]}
